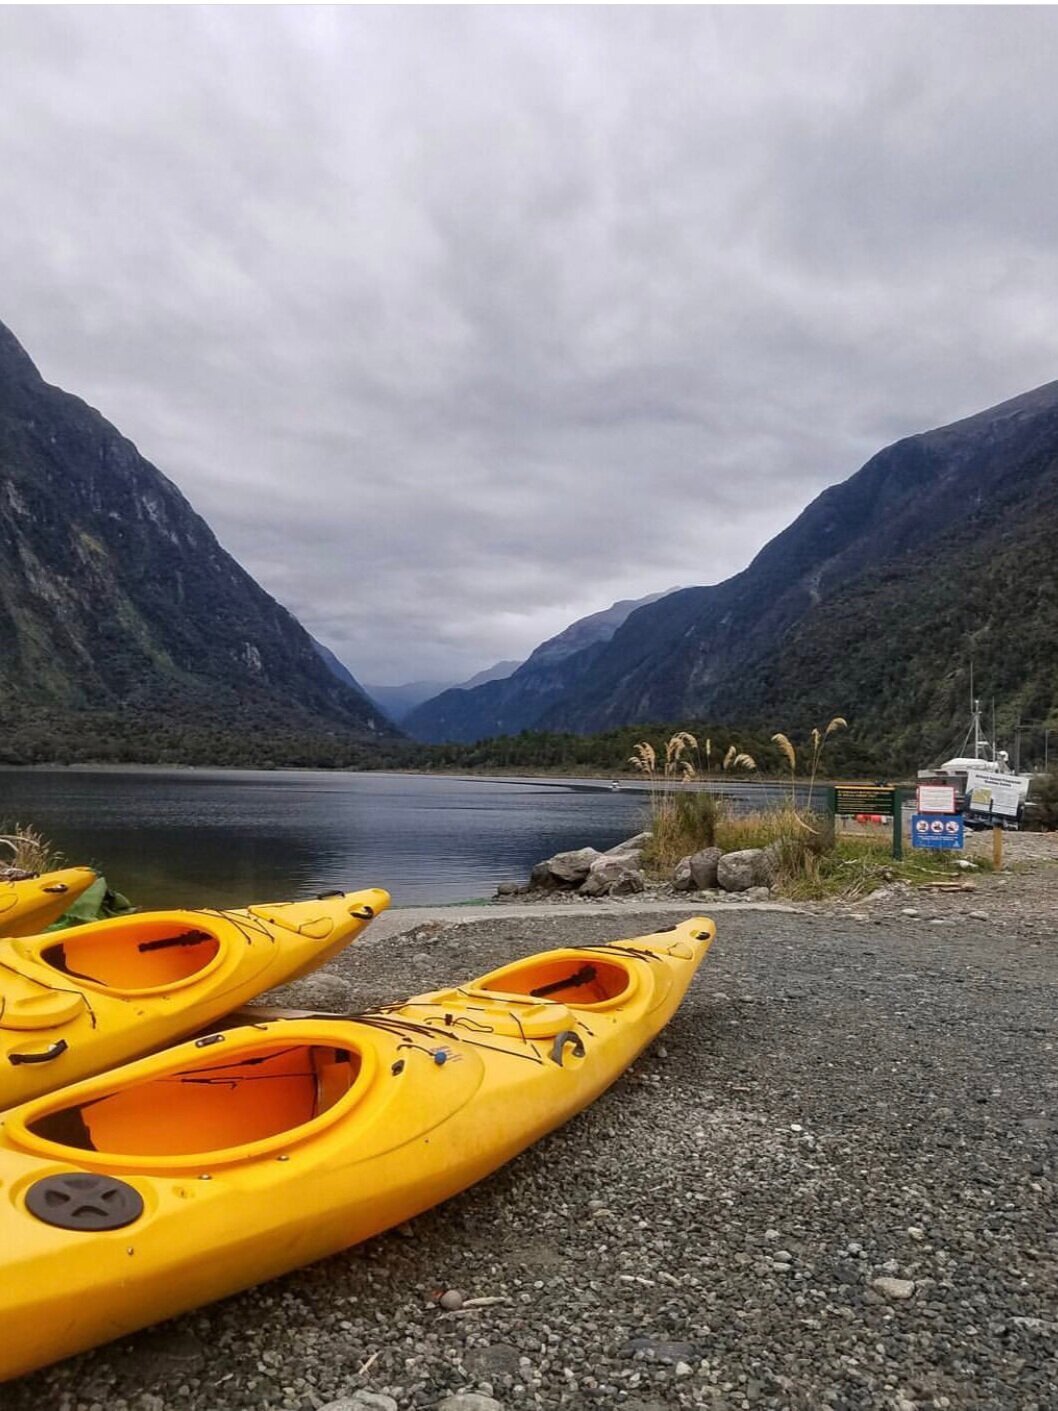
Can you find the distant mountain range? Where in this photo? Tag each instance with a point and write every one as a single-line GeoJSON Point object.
{"type": "Point", "coordinates": [942, 548]}
{"type": "Point", "coordinates": [121, 617]}
{"type": "Point", "coordinates": [400, 701]}
{"type": "Point", "coordinates": [507, 704]}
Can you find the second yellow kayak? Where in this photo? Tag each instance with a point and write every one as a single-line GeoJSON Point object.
{"type": "Point", "coordinates": [74, 1003]}
{"type": "Point", "coordinates": [32, 905]}
{"type": "Point", "coordinates": [243, 1154]}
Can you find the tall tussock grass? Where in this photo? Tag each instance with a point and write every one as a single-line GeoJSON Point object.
{"type": "Point", "coordinates": [24, 849]}
{"type": "Point", "coordinates": [685, 824]}
{"type": "Point", "coordinates": [684, 817]}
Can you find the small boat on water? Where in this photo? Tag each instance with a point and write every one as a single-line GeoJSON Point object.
{"type": "Point", "coordinates": [73, 1003]}
{"type": "Point", "coordinates": [231, 1159]}
{"type": "Point", "coordinates": [31, 904]}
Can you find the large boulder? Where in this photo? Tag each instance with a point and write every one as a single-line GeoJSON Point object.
{"type": "Point", "coordinates": [613, 876]}
{"type": "Point", "coordinates": [703, 868]}
{"type": "Point", "coordinates": [738, 871]}
{"type": "Point", "coordinates": [636, 844]}
{"type": "Point", "coordinates": [540, 879]}
{"type": "Point", "coordinates": [565, 870]}
{"type": "Point", "coordinates": [682, 880]}
{"type": "Point", "coordinates": [572, 867]}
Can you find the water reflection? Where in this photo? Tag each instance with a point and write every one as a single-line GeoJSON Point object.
{"type": "Point", "coordinates": [227, 837]}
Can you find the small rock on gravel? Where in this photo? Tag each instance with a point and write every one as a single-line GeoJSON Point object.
{"type": "Point", "coordinates": [452, 1299]}
{"type": "Point", "coordinates": [321, 991]}
{"type": "Point", "coordinates": [659, 1350]}
{"type": "Point", "coordinates": [362, 1401]}
{"type": "Point", "coordinates": [894, 1288]}
{"type": "Point", "coordinates": [469, 1401]}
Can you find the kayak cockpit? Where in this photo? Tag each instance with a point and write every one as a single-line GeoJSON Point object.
{"type": "Point", "coordinates": [137, 955]}
{"type": "Point", "coordinates": [571, 977]}
{"type": "Point", "coordinates": [209, 1107]}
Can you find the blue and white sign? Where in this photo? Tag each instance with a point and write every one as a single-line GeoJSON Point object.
{"type": "Point", "coordinates": [936, 830]}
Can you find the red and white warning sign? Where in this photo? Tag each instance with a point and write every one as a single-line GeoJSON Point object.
{"type": "Point", "coordinates": [936, 798]}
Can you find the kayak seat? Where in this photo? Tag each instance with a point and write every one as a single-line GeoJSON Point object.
{"type": "Point", "coordinates": [145, 957]}
{"type": "Point", "coordinates": [211, 1107]}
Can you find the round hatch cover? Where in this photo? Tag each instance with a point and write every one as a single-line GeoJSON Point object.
{"type": "Point", "coordinates": [78, 1200]}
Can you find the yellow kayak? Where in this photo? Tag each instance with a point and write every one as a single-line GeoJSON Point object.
{"type": "Point", "coordinates": [77, 1002]}
{"type": "Point", "coordinates": [31, 906]}
{"type": "Point", "coordinates": [244, 1154]}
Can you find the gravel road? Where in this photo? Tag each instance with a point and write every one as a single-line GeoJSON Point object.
{"type": "Point", "coordinates": [829, 1185]}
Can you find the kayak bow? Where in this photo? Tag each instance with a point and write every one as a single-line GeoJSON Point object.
{"type": "Point", "coordinates": [31, 905]}
{"type": "Point", "coordinates": [77, 1002]}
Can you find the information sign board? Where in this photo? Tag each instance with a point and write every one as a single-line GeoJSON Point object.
{"type": "Point", "coordinates": [936, 798]}
{"type": "Point", "coordinates": [936, 830]}
{"type": "Point", "coordinates": [851, 799]}
{"type": "Point", "coordinates": [990, 793]}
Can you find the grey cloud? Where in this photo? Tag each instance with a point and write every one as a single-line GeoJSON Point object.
{"type": "Point", "coordinates": [458, 323]}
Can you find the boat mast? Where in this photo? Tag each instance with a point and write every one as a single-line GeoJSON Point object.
{"type": "Point", "coordinates": [975, 714]}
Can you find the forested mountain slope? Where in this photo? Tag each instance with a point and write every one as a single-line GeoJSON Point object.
{"type": "Point", "coordinates": [121, 617]}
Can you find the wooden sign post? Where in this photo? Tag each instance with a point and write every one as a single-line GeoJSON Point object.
{"type": "Point", "coordinates": [997, 849]}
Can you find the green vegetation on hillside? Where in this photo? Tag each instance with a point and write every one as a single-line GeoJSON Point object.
{"type": "Point", "coordinates": [124, 625]}
{"type": "Point", "coordinates": [608, 751]}
{"type": "Point", "coordinates": [898, 644]}
{"type": "Point", "coordinates": [131, 737]}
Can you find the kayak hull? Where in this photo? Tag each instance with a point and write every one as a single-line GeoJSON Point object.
{"type": "Point", "coordinates": [78, 1002]}
{"type": "Point", "coordinates": [412, 1105]}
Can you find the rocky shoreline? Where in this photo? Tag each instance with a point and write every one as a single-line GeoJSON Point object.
{"type": "Point", "coordinates": [620, 871]}
{"type": "Point", "coordinates": [829, 1185]}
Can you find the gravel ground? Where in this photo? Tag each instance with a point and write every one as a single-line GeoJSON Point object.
{"type": "Point", "coordinates": [829, 1185]}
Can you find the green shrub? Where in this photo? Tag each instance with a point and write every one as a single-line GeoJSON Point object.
{"type": "Point", "coordinates": [1043, 795]}
{"type": "Point", "coordinates": [683, 822]}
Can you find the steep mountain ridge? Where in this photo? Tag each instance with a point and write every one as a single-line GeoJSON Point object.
{"type": "Point", "coordinates": [115, 596]}
{"type": "Point", "coordinates": [923, 500]}
{"type": "Point", "coordinates": [511, 703]}
{"type": "Point", "coordinates": [787, 638]}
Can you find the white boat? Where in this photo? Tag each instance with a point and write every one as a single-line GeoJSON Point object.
{"type": "Point", "coordinates": [988, 793]}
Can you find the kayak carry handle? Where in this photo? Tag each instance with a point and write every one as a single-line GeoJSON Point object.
{"type": "Point", "coordinates": [567, 1036]}
{"type": "Point", "coordinates": [58, 1047]}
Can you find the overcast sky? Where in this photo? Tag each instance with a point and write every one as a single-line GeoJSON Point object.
{"type": "Point", "coordinates": [458, 324]}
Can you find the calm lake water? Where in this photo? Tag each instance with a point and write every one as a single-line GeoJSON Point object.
{"type": "Point", "coordinates": [167, 837]}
